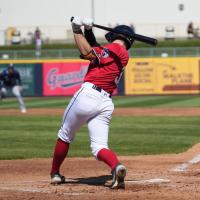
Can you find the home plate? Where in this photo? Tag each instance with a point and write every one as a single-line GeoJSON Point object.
{"type": "Point", "coordinates": [149, 181]}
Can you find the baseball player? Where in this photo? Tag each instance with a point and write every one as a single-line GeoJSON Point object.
{"type": "Point", "coordinates": [10, 80]}
{"type": "Point", "coordinates": [92, 103]}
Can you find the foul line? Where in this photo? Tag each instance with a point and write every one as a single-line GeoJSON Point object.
{"type": "Point", "coordinates": [183, 167]}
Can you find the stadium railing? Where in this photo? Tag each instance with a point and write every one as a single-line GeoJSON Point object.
{"type": "Point", "coordinates": [73, 53]}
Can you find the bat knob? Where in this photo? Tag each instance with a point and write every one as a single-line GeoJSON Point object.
{"type": "Point", "coordinates": [71, 19]}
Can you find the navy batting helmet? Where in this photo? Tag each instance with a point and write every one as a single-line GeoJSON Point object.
{"type": "Point", "coordinates": [124, 31]}
{"type": "Point", "coordinates": [10, 67]}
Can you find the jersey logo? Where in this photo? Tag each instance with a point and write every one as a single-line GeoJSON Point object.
{"type": "Point", "coordinates": [105, 53]}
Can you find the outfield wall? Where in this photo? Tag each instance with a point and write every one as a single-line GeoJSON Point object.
{"type": "Point", "coordinates": [51, 77]}
{"type": "Point", "coordinates": [30, 76]}
{"type": "Point", "coordinates": [143, 76]}
{"type": "Point", "coordinates": [162, 76]}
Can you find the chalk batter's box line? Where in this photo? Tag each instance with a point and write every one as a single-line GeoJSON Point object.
{"type": "Point", "coordinates": [183, 167]}
{"type": "Point", "coordinates": [147, 181]}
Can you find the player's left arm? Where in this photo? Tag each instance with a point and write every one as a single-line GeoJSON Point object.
{"type": "Point", "coordinates": [88, 32]}
{"type": "Point", "coordinates": [90, 37]}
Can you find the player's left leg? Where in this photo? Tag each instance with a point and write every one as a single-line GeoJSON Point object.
{"type": "Point", "coordinates": [98, 130]}
{"type": "Point", "coordinates": [3, 93]}
{"type": "Point", "coordinates": [16, 92]}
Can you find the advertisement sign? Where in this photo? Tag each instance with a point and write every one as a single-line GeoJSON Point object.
{"type": "Point", "coordinates": [63, 78]}
{"type": "Point", "coordinates": [27, 77]}
{"type": "Point", "coordinates": [140, 77]}
{"type": "Point", "coordinates": [162, 76]}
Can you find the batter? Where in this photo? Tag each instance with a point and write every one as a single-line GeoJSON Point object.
{"type": "Point", "coordinates": [92, 103]}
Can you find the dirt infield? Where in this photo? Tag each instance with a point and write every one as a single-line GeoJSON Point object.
{"type": "Point", "coordinates": [149, 177]}
{"type": "Point", "coordinates": [118, 111]}
{"type": "Point", "coordinates": [152, 177]}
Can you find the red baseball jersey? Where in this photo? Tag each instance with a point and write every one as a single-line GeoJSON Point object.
{"type": "Point", "coordinates": [107, 68]}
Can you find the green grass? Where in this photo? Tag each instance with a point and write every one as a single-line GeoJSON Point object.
{"type": "Point", "coordinates": [179, 47]}
{"type": "Point", "coordinates": [36, 102]}
{"type": "Point", "coordinates": [34, 136]}
{"type": "Point", "coordinates": [158, 101]}
{"type": "Point", "coordinates": [119, 101]}
{"type": "Point", "coordinates": [154, 135]}
{"type": "Point", "coordinates": [161, 43]}
{"type": "Point", "coordinates": [27, 136]}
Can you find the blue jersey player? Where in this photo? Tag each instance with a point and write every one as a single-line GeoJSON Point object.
{"type": "Point", "coordinates": [10, 80]}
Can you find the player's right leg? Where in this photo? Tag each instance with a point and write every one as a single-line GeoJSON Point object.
{"type": "Point", "coordinates": [60, 152]}
{"type": "Point", "coordinates": [66, 135]}
{"type": "Point", "coordinates": [81, 107]}
{"type": "Point", "coordinates": [16, 92]}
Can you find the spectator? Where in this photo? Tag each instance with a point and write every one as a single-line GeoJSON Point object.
{"type": "Point", "coordinates": [10, 80]}
{"type": "Point", "coordinates": [38, 42]}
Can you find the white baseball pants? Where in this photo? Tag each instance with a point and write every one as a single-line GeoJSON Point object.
{"type": "Point", "coordinates": [16, 92]}
{"type": "Point", "coordinates": [92, 107]}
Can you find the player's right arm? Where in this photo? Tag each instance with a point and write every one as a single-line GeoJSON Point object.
{"type": "Point", "coordinates": [80, 40]}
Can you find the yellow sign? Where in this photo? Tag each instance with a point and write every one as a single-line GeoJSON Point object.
{"type": "Point", "coordinates": [162, 76]}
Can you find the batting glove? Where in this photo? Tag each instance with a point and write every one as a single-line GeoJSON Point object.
{"type": "Point", "coordinates": [88, 23]}
{"type": "Point", "coordinates": [76, 24]}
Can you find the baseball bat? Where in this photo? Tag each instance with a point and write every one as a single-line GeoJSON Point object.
{"type": "Point", "coordinates": [141, 38]}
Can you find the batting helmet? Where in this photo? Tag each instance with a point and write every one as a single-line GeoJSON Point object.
{"type": "Point", "coordinates": [10, 68]}
{"type": "Point", "coordinates": [10, 65]}
{"type": "Point", "coordinates": [123, 33]}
